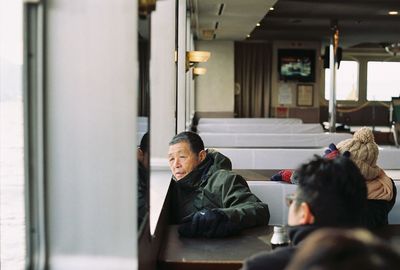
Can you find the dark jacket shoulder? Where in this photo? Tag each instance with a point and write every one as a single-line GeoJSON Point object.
{"type": "Point", "coordinates": [377, 211]}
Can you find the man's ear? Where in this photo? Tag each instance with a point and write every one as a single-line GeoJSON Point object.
{"type": "Point", "coordinates": [140, 155]}
{"type": "Point", "coordinates": [306, 216]}
{"type": "Point", "coordinates": [202, 155]}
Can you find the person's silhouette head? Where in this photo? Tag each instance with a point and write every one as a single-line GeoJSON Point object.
{"type": "Point", "coordinates": [329, 193]}
{"type": "Point", "coordinates": [143, 151]}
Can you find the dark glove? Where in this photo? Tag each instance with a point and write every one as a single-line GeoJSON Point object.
{"type": "Point", "coordinates": [332, 152]}
{"type": "Point", "coordinates": [208, 223]}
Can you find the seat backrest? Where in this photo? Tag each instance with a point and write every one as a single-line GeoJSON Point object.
{"type": "Point", "coordinates": [396, 109]}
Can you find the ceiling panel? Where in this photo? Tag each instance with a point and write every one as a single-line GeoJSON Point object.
{"type": "Point", "coordinates": [359, 21]}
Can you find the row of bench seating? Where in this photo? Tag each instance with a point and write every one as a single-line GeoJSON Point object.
{"type": "Point", "coordinates": [258, 149]}
{"type": "Point", "coordinates": [291, 158]}
{"type": "Point", "coordinates": [260, 128]}
{"type": "Point", "coordinates": [266, 140]}
{"type": "Point", "coordinates": [272, 193]}
{"type": "Point", "coordinates": [265, 133]}
{"type": "Point", "coordinates": [271, 143]}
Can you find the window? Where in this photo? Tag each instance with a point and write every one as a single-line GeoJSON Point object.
{"type": "Point", "coordinates": [346, 81]}
{"type": "Point", "coordinates": [12, 188]}
{"type": "Point", "coordinates": [383, 80]}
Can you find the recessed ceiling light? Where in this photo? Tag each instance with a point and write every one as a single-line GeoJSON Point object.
{"type": "Point", "coordinates": [248, 36]}
{"type": "Point", "coordinates": [393, 12]}
{"type": "Point", "coordinates": [258, 24]}
{"type": "Point", "coordinates": [271, 8]}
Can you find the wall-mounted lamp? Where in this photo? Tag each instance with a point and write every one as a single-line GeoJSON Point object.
{"type": "Point", "coordinates": [193, 57]}
{"type": "Point", "coordinates": [199, 71]}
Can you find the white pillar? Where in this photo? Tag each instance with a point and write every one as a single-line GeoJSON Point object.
{"type": "Point", "coordinates": [162, 78]}
{"type": "Point", "coordinates": [90, 123]}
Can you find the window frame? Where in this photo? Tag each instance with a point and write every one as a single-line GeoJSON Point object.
{"type": "Point", "coordinates": [362, 57]}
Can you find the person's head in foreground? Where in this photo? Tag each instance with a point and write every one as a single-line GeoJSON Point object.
{"type": "Point", "coordinates": [143, 151]}
{"type": "Point", "coordinates": [329, 193]}
{"type": "Point", "coordinates": [186, 152]}
{"type": "Point", "coordinates": [331, 249]}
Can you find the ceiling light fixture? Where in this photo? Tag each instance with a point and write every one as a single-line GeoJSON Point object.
{"type": "Point", "coordinates": [248, 36]}
{"type": "Point", "coordinates": [258, 24]}
{"type": "Point", "coordinates": [393, 12]}
{"type": "Point", "coordinates": [271, 8]}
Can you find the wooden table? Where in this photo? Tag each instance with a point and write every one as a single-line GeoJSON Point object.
{"type": "Point", "coordinates": [229, 253]}
{"type": "Point", "coordinates": [202, 253]}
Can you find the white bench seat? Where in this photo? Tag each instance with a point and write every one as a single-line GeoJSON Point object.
{"type": "Point", "coordinates": [285, 158]}
{"type": "Point", "coordinates": [274, 193]}
{"type": "Point", "coordinates": [272, 140]}
{"type": "Point", "coordinates": [260, 128]}
{"type": "Point", "coordinates": [250, 120]}
{"type": "Point", "coordinates": [270, 192]}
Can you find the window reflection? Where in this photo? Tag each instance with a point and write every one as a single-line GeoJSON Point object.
{"type": "Point", "coordinates": [143, 177]}
{"type": "Point", "coordinates": [143, 149]}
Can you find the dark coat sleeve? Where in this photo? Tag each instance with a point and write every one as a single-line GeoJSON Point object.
{"type": "Point", "coordinates": [239, 204]}
{"type": "Point", "coordinates": [377, 211]}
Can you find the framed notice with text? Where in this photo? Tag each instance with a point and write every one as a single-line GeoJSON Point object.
{"type": "Point", "coordinates": [305, 95]}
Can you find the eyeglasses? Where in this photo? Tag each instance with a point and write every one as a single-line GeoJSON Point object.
{"type": "Point", "coordinates": [290, 198]}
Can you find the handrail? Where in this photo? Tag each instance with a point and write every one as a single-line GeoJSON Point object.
{"type": "Point", "coordinates": [362, 106]}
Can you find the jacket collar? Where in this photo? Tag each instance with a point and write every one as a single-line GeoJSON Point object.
{"type": "Point", "coordinates": [197, 176]}
{"type": "Point", "coordinates": [298, 233]}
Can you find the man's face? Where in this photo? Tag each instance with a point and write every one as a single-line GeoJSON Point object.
{"type": "Point", "coordinates": [299, 212]}
{"type": "Point", "coordinates": [182, 160]}
{"type": "Point", "coordinates": [143, 158]}
{"type": "Point", "coordinates": [294, 215]}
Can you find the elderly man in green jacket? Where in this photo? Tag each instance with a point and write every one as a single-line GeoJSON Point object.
{"type": "Point", "coordinates": [208, 199]}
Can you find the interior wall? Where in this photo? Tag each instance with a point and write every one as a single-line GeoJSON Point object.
{"type": "Point", "coordinates": [215, 90]}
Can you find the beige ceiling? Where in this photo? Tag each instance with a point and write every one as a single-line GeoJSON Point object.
{"type": "Point", "coordinates": [362, 23]}
{"type": "Point", "coordinates": [234, 21]}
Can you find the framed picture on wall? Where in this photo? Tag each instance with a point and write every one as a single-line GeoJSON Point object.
{"type": "Point", "coordinates": [305, 95]}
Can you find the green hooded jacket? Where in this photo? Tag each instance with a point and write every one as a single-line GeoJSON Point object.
{"type": "Point", "coordinates": [213, 185]}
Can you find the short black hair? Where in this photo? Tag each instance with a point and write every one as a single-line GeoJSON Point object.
{"type": "Point", "coordinates": [334, 189]}
{"type": "Point", "coordinates": [330, 249]}
{"type": "Point", "coordinates": [193, 139]}
{"type": "Point", "coordinates": [144, 143]}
